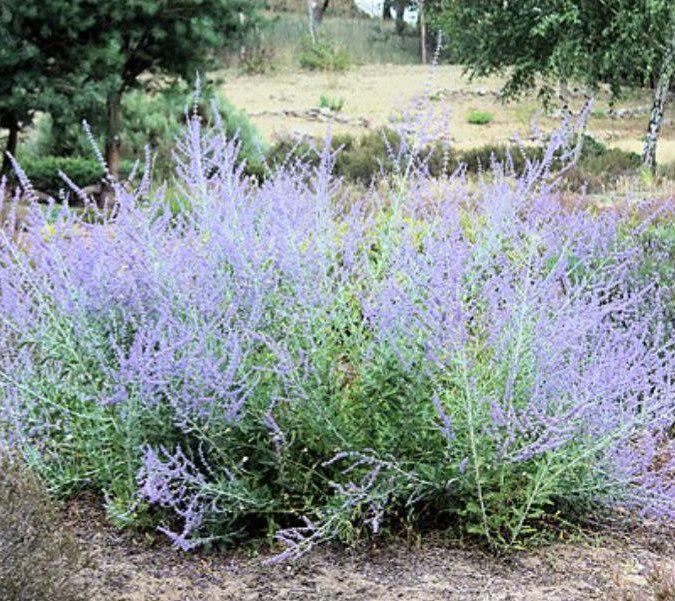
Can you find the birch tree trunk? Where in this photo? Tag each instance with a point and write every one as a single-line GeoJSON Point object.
{"type": "Point", "coordinates": [658, 106]}
{"type": "Point", "coordinates": [577, 124]}
{"type": "Point", "coordinates": [423, 32]}
{"type": "Point", "coordinates": [311, 7]}
{"type": "Point", "coordinates": [319, 12]}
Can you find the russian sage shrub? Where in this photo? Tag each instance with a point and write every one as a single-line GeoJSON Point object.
{"type": "Point", "coordinates": [278, 357]}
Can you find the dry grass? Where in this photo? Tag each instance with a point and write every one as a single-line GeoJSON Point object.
{"type": "Point", "coordinates": [375, 92]}
{"type": "Point", "coordinates": [662, 579]}
{"type": "Point", "coordinates": [39, 559]}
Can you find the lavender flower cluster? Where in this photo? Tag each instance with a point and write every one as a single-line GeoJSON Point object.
{"type": "Point", "coordinates": [225, 356]}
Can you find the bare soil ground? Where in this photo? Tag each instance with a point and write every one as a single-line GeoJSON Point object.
{"type": "Point", "coordinates": [618, 566]}
{"type": "Point", "coordinates": [372, 93]}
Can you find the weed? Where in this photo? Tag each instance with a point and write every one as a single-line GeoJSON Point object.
{"type": "Point", "coordinates": [331, 103]}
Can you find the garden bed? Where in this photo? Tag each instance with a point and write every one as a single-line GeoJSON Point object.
{"type": "Point", "coordinates": [242, 363]}
{"type": "Point", "coordinates": [615, 565]}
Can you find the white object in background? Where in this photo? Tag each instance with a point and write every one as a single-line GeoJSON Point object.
{"type": "Point", "coordinates": [374, 9]}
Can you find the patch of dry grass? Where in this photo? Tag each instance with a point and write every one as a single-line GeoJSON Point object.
{"type": "Point", "coordinates": [39, 559]}
{"type": "Point", "coordinates": [375, 92]}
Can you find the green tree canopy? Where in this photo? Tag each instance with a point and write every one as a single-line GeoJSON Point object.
{"type": "Point", "coordinates": [92, 51]}
{"type": "Point", "coordinates": [38, 64]}
{"type": "Point", "coordinates": [541, 44]}
{"type": "Point", "coordinates": [155, 38]}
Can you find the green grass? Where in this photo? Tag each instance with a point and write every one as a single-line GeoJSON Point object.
{"type": "Point", "coordinates": [479, 117]}
{"type": "Point", "coordinates": [367, 40]}
{"type": "Point", "coordinates": [332, 103]}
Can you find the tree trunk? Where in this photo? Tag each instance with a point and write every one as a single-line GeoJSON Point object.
{"type": "Point", "coordinates": [386, 10]}
{"type": "Point", "coordinates": [399, 8]}
{"type": "Point", "coordinates": [319, 10]}
{"type": "Point", "coordinates": [576, 123]}
{"type": "Point", "coordinates": [423, 32]}
{"type": "Point", "coordinates": [311, 9]}
{"type": "Point", "coordinates": [658, 106]}
{"type": "Point", "coordinates": [10, 148]}
{"type": "Point", "coordinates": [113, 139]}
{"type": "Point", "coordinates": [113, 145]}
{"type": "Point", "coordinates": [564, 97]}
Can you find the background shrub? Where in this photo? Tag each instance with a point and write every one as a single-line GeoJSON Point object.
{"type": "Point", "coordinates": [158, 119]}
{"type": "Point", "coordinates": [482, 158]}
{"type": "Point", "coordinates": [476, 117]}
{"type": "Point", "coordinates": [370, 156]}
{"type": "Point", "coordinates": [257, 60]}
{"type": "Point", "coordinates": [150, 119]}
{"type": "Point", "coordinates": [39, 559]}
{"type": "Point", "coordinates": [332, 103]}
{"type": "Point", "coordinates": [323, 56]}
{"type": "Point", "coordinates": [43, 172]}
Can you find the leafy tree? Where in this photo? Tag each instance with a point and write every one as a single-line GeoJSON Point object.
{"type": "Point", "coordinates": [37, 60]}
{"type": "Point", "coordinates": [55, 53]}
{"type": "Point", "coordinates": [548, 44]}
{"type": "Point", "coordinates": [175, 38]}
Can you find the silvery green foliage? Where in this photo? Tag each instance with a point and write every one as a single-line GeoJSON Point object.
{"type": "Point", "coordinates": [228, 357]}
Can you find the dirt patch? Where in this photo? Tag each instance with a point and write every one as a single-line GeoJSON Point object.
{"type": "Point", "coordinates": [620, 566]}
{"type": "Point", "coordinates": [373, 93]}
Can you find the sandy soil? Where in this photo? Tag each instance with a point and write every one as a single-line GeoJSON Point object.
{"type": "Point", "coordinates": [620, 566]}
{"type": "Point", "coordinates": [375, 92]}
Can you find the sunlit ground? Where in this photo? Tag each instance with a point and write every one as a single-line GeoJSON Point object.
{"type": "Point", "coordinates": [375, 92]}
